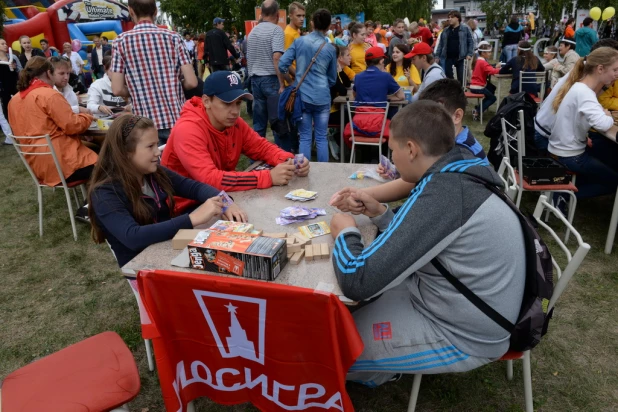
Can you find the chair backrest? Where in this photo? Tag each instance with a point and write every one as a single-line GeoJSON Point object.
{"type": "Point", "coordinates": [361, 109]}
{"type": "Point", "coordinates": [42, 147]}
{"type": "Point", "coordinates": [533, 78]}
{"type": "Point", "coordinates": [233, 339]}
{"type": "Point", "coordinates": [509, 178]}
{"type": "Point", "coordinates": [513, 139]}
{"type": "Point", "coordinates": [573, 260]}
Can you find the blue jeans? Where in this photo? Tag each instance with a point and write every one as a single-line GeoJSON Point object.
{"type": "Point", "coordinates": [510, 51]}
{"type": "Point", "coordinates": [541, 142]}
{"type": "Point", "coordinates": [262, 87]}
{"type": "Point", "coordinates": [489, 99]}
{"type": "Point", "coordinates": [594, 178]}
{"type": "Point", "coordinates": [316, 116]}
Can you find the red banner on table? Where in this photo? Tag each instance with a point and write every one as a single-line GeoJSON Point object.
{"type": "Point", "coordinates": [232, 340]}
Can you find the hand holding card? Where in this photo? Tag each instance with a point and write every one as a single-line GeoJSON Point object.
{"type": "Point", "coordinates": [226, 199]}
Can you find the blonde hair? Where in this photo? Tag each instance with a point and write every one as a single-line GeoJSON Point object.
{"type": "Point", "coordinates": [603, 56]}
{"type": "Point", "coordinates": [295, 6]}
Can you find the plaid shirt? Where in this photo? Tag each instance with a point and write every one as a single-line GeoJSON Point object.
{"type": "Point", "coordinates": [150, 58]}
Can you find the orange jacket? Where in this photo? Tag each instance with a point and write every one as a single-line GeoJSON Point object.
{"type": "Point", "coordinates": [197, 150]}
{"type": "Point", "coordinates": [46, 111]}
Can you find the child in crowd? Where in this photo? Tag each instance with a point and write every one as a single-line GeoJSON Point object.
{"type": "Point", "coordinates": [101, 100]}
{"type": "Point", "coordinates": [577, 110]}
{"type": "Point", "coordinates": [357, 47]}
{"type": "Point", "coordinates": [549, 54]}
{"type": "Point", "coordinates": [524, 62]}
{"type": "Point", "coordinates": [131, 196]}
{"type": "Point", "coordinates": [480, 83]}
{"type": "Point", "coordinates": [448, 93]}
{"type": "Point", "coordinates": [402, 69]}
{"type": "Point", "coordinates": [344, 82]}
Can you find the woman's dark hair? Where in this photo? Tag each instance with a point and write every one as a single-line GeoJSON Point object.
{"type": "Point", "coordinates": [514, 20]}
{"type": "Point", "coordinates": [526, 58]}
{"type": "Point", "coordinates": [406, 63]}
{"type": "Point", "coordinates": [569, 21]}
{"type": "Point", "coordinates": [36, 66]}
{"type": "Point", "coordinates": [114, 166]}
{"type": "Point", "coordinates": [341, 50]}
{"type": "Point", "coordinates": [321, 19]}
{"type": "Point", "coordinates": [587, 21]}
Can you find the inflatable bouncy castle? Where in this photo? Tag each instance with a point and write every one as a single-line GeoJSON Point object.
{"type": "Point", "coordinates": [65, 21]}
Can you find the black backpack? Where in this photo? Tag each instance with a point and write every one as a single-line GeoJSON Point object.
{"type": "Point", "coordinates": [533, 317]}
{"type": "Point", "coordinates": [508, 110]}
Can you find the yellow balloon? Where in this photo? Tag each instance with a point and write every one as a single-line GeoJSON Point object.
{"type": "Point", "coordinates": [608, 13]}
{"type": "Point", "coordinates": [595, 13]}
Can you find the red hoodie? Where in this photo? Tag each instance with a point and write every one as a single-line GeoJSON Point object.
{"type": "Point", "coordinates": [197, 150]}
{"type": "Point", "coordinates": [480, 73]}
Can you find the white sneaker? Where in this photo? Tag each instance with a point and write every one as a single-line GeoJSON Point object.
{"type": "Point", "coordinates": [8, 140]}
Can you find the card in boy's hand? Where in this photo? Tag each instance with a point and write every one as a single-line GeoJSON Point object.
{"type": "Point", "coordinates": [226, 199]}
{"type": "Point", "coordinates": [389, 168]}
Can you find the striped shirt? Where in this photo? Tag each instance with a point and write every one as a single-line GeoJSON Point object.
{"type": "Point", "coordinates": [263, 41]}
{"type": "Point", "coordinates": [150, 58]}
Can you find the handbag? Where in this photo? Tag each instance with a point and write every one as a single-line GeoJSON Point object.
{"type": "Point", "coordinates": [289, 104]}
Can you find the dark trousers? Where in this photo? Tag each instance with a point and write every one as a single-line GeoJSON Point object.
{"type": "Point", "coordinates": [459, 66]}
{"type": "Point", "coordinates": [80, 174]}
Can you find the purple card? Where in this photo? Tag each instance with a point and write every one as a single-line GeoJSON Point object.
{"type": "Point", "coordinates": [226, 199]}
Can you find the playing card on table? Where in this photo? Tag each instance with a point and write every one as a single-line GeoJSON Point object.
{"type": "Point", "coordinates": [301, 195]}
{"type": "Point", "coordinates": [389, 168]}
{"type": "Point", "coordinates": [226, 199]}
{"type": "Point", "coordinates": [295, 214]}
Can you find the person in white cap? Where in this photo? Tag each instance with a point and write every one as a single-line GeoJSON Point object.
{"type": "Point", "coordinates": [566, 48]}
{"type": "Point", "coordinates": [479, 83]}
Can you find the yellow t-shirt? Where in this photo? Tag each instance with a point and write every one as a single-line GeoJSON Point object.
{"type": "Point", "coordinates": [290, 34]}
{"type": "Point", "coordinates": [401, 79]}
{"type": "Point", "coordinates": [357, 52]}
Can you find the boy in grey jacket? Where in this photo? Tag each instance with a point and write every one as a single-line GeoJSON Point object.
{"type": "Point", "coordinates": [420, 323]}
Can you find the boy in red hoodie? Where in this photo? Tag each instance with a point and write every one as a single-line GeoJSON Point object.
{"type": "Point", "coordinates": [479, 83]}
{"type": "Point", "coordinates": [209, 137]}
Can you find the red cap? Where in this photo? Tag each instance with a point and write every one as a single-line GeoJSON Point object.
{"type": "Point", "coordinates": [419, 49]}
{"type": "Point", "coordinates": [374, 53]}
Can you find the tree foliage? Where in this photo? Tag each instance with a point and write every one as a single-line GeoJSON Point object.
{"type": "Point", "coordinates": [197, 15]}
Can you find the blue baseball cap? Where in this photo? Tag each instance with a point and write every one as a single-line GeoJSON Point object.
{"type": "Point", "coordinates": [226, 86]}
{"type": "Point", "coordinates": [218, 20]}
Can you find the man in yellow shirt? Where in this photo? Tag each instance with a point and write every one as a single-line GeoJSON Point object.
{"type": "Point", "coordinates": [292, 31]}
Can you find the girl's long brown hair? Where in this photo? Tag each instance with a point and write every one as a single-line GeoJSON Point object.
{"type": "Point", "coordinates": [603, 56]}
{"type": "Point", "coordinates": [114, 166]}
{"type": "Point", "coordinates": [405, 63]}
{"type": "Point", "coordinates": [36, 67]}
{"type": "Point", "coordinates": [526, 58]}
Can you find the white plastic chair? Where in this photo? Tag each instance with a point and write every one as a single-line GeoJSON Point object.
{"type": "Point", "coordinates": [365, 140]}
{"type": "Point", "coordinates": [512, 134]}
{"type": "Point", "coordinates": [539, 78]}
{"type": "Point", "coordinates": [45, 148]}
{"type": "Point", "coordinates": [563, 277]}
{"type": "Point", "coordinates": [611, 233]}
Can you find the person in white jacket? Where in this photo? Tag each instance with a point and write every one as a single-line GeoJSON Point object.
{"type": "Point", "coordinates": [101, 100]}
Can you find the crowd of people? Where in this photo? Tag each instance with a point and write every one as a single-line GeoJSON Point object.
{"type": "Point", "coordinates": [179, 139]}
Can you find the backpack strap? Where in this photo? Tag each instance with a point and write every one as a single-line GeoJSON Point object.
{"type": "Point", "coordinates": [463, 289]}
{"type": "Point", "coordinates": [473, 298]}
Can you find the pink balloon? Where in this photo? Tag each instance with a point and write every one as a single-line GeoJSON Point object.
{"type": "Point", "coordinates": [76, 45]}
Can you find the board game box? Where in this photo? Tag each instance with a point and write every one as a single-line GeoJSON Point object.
{"type": "Point", "coordinates": [241, 254]}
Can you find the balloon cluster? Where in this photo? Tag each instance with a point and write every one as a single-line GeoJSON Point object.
{"type": "Point", "coordinates": [607, 14]}
{"type": "Point", "coordinates": [76, 45]}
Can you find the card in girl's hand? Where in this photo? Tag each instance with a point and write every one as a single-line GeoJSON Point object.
{"type": "Point", "coordinates": [226, 199]}
{"type": "Point", "coordinates": [298, 160]}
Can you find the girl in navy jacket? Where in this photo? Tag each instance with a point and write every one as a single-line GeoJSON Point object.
{"type": "Point", "coordinates": [131, 196]}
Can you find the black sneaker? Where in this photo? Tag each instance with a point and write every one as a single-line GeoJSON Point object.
{"type": "Point", "coordinates": [82, 214]}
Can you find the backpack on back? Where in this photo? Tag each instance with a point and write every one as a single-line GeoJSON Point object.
{"type": "Point", "coordinates": [533, 317]}
{"type": "Point", "coordinates": [508, 110]}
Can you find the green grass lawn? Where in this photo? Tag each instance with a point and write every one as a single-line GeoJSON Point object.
{"type": "Point", "coordinates": [56, 292]}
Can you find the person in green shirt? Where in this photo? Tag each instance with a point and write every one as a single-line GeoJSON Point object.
{"type": "Point", "coordinates": [585, 38]}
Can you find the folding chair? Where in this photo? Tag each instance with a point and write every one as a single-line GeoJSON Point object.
{"type": "Point", "coordinates": [96, 374]}
{"type": "Point", "coordinates": [47, 149]}
{"type": "Point", "coordinates": [611, 233]}
{"type": "Point", "coordinates": [539, 78]}
{"type": "Point", "coordinates": [469, 94]}
{"type": "Point", "coordinates": [367, 109]}
{"type": "Point", "coordinates": [563, 275]}
{"type": "Point", "coordinates": [519, 136]}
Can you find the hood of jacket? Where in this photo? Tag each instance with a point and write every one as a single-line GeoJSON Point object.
{"type": "Point", "coordinates": [461, 160]}
{"type": "Point", "coordinates": [513, 27]}
{"type": "Point", "coordinates": [195, 112]}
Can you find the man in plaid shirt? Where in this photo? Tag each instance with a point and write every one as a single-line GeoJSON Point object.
{"type": "Point", "coordinates": [147, 63]}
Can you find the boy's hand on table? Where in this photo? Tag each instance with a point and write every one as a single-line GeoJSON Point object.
{"type": "Point", "coordinates": [235, 214]}
{"type": "Point", "coordinates": [343, 201]}
{"type": "Point", "coordinates": [339, 222]}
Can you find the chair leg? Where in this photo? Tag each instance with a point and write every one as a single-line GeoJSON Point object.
{"type": "Point", "coordinates": [416, 386]}
{"type": "Point", "coordinates": [149, 355]}
{"type": "Point", "coordinates": [75, 196]}
{"type": "Point", "coordinates": [191, 407]}
{"type": "Point", "coordinates": [611, 234]}
{"type": "Point", "coordinates": [509, 370]}
{"type": "Point", "coordinates": [572, 206]}
{"type": "Point", "coordinates": [70, 206]}
{"type": "Point", "coordinates": [84, 193]}
{"type": "Point", "coordinates": [40, 198]}
{"type": "Point", "coordinates": [481, 110]}
{"type": "Point", "coordinates": [528, 382]}
{"type": "Point", "coordinates": [353, 152]}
